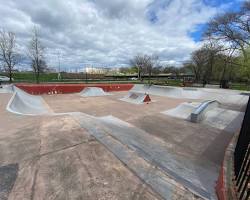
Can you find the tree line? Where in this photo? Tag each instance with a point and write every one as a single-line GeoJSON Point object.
{"type": "Point", "coordinates": [224, 55]}
{"type": "Point", "coordinates": [10, 57]}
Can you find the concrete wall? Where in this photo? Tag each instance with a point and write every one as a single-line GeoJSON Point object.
{"type": "Point", "coordinates": [70, 88]}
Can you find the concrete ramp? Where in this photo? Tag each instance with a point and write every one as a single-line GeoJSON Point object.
{"type": "Point", "coordinates": [141, 88]}
{"type": "Point", "coordinates": [192, 111]}
{"type": "Point", "coordinates": [7, 89]}
{"type": "Point", "coordinates": [26, 104]}
{"type": "Point", "coordinates": [200, 112]}
{"type": "Point", "coordinates": [137, 98]}
{"type": "Point", "coordinates": [227, 97]}
{"type": "Point", "coordinates": [172, 175]}
{"type": "Point", "coordinates": [183, 111]}
{"type": "Point", "coordinates": [93, 92]}
{"type": "Point", "coordinates": [228, 120]}
{"type": "Point", "coordinates": [209, 113]}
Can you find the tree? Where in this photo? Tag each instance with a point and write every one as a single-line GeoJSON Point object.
{"type": "Point", "coordinates": [157, 69]}
{"type": "Point", "coordinates": [128, 70]}
{"type": "Point", "coordinates": [36, 54]}
{"type": "Point", "coordinates": [140, 62]}
{"type": "Point", "coordinates": [232, 28]}
{"type": "Point", "coordinates": [151, 63]}
{"type": "Point", "coordinates": [212, 49]}
{"type": "Point", "coordinates": [145, 65]}
{"type": "Point", "coordinates": [198, 63]}
{"type": "Point", "coordinates": [8, 52]}
{"type": "Point", "coordinates": [245, 68]}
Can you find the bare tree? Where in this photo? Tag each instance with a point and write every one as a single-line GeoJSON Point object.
{"type": "Point", "coordinates": [36, 54]}
{"type": "Point", "coordinates": [150, 63]}
{"type": "Point", "coordinates": [138, 61]}
{"type": "Point", "coordinates": [144, 64]}
{"type": "Point", "coordinates": [8, 52]}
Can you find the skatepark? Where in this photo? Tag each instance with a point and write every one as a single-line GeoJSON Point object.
{"type": "Point", "coordinates": [115, 141]}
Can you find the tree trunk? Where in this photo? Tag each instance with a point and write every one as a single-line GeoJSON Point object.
{"type": "Point", "coordinates": [37, 74]}
{"type": "Point", "coordinates": [149, 78]}
{"type": "Point", "coordinates": [10, 75]}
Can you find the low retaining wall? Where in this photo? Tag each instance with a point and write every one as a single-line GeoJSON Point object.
{"type": "Point", "coordinates": [225, 188]}
{"type": "Point", "coordinates": [70, 88]}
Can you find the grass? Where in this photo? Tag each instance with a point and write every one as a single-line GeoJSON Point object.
{"type": "Point", "coordinates": [240, 86]}
{"type": "Point", "coordinates": [29, 77]}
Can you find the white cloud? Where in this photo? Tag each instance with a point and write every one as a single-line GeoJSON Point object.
{"type": "Point", "coordinates": [107, 32]}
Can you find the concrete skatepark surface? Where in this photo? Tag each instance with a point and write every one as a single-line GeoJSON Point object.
{"type": "Point", "coordinates": [211, 115]}
{"type": "Point", "coordinates": [104, 148]}
{"type": "Point", "coordinates": [6, 89]}
{"type": "Point", "coordinates": [229, 97]}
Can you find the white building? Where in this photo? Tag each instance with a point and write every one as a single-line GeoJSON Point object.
{"type": "Point", "coordinates": [96, 70]}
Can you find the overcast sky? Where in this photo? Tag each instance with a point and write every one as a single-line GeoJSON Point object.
{"type": "Point", "coordinates": [110, 32]}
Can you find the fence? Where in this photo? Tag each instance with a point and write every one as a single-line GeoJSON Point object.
{"type": "Point", "coordinates": [242, 158]}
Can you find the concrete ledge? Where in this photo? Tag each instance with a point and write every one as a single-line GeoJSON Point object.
{"type": "Point", "coordinates": [199, 113]}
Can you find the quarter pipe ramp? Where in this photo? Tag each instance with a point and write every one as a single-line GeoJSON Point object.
{"type": "Point", "coordinates": [26, 104]}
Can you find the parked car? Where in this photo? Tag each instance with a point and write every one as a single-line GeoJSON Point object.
{"type": "Point", "coordinates": [134, 79]}
{"type": "Point", "coordinates": [4, 79]}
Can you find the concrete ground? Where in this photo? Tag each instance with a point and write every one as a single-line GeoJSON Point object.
{"type": "Point", "coordinates": [52, 157]}
{"type": "Point", "coordinates": [56, 157]}
{"type": "Point", "coordinates": [184, 137]}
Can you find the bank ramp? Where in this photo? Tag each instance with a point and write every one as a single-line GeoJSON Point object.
{"type": "Point", "coordinates": [26, 104]}
{"type": "Point", "coordinates": [227, 97]}
{"type": "Point", "coordinates": [93, 92]}
{"type": "Point", "coordinates": [171, 175]}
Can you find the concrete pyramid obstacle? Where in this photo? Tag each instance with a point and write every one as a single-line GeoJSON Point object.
{"type": "Point", "coordinates": [137, 98]}
{"type": "Point", "coordinates": [93, 92]}
{"type": "Point", "coordinates": [26, 104]}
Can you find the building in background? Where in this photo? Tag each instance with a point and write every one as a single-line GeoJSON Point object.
{"type": "Point", "coordinates": [100, 70]}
